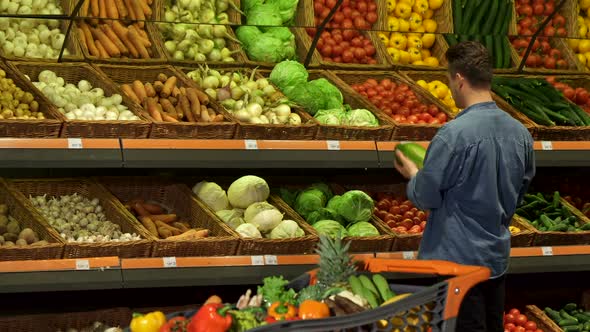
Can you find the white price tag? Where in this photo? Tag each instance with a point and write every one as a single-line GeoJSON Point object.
{"type": "Point", "coordinates": [169, 261]}
{"type": "Point", "coordinates": [546, 145]}
{"type": "Point", "coordinates": [270, 260]}
{"type": "Point", "coordinates": [547, 251]}
{"type": "Point", "coordinates": [408, 255]}
{"type": "Point", "coordinates": [251, 144]}
{"type": "Point", "coordinates": [75, 143]}
{"type": "Point", "coordinates": [333, 145]}
{"type": "Point", "coordinates": [82, 264]}
{"type": "Point", "coordinates": [257, 260]}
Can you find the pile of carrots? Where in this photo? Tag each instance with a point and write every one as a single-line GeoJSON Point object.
{"type": "Point", "coordinates": [162, 224]}
{"type": "Point", "coordinates": [165, 101]}
{"type": "Point", "coordinates": [115, 28]}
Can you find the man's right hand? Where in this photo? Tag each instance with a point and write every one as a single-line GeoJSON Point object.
{"type": "Point", "coordinates": [405, 166]}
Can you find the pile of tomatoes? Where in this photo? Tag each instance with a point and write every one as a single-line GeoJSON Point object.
{"type": "Point", "coordinates": [580, 96]}
{"type": "Point", "coordinates": [399, 102]}
{"type": "Point", "coordinates": [514, 321]}
{"type": "Point", "coordinates": [342, 40]}
{"type": "Point", "coordinates": [400, 214]}
{"type": "Point", "coordinates": [530, 15]}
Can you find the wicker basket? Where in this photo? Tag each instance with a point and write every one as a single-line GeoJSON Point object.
{"type": "Point", "coordinates": [444, 19]}
{"type": "Point", "coordinates": [563, 238]}
{"type": "Point", "coordinates": [24, 323]}
{"type": "Point", "coordinates": [22, 188]}
{"type": "Point", "coordinates": [526, 235]}
{"type": "Point", "coordinates": [115, 317]}
{"type": "Point", "coordinates": [26, 219]}
{"type": "Point", "coordinates": [75, 53]}
{"type": "Point", "coordinates": [263, 246]}
{"type": "Point", "coordinates": [543, 321]}
{"type": "Point", "coordinates": [206, 130]}
{"type": "Point", "coordinates": [157, 54]}
{"type": "Point", "coordinates": [401, 131]}
{"type": "Point", "coordinates": [177, 197]}
{"type": "Point", "coordinates": [382, 132]}
{"type": "Point", "coordinates": [235, 17]}
{"type": "Point", "coordinates": [73, 73]}
{"type": "Point", "coordinates": [306, 131]}
{"type": "Point", "coordinates": [551, 133]}
{"type": "Point", "coordinates": [49, 127]}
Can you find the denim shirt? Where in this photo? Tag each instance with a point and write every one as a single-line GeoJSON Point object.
{"type": "Point", "coordinates": [477, 169]}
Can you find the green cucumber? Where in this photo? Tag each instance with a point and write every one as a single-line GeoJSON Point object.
{"type": "Point", "coordinates": [492, 18]}
{"type": "Point", "coordinates": [496, 50]}
{"type": "Point", "coordinates": [356, 285]}
{"type": "Point", "coordinates": [581, 317]}
{"type": "Point", "coordinates": [572, 328]}
{"type": "Point", "coordinates": [457, 15]}
{"type": "Point", "coordinates": [370, 297]}
{"type": "Point", "coordinates": [506, 48]}
{"type": "Point", "coordinates": [567, 322]}
{"type": "Point", "coordinates": [556, 200]}
{"type": "Point", "coordinates": [383, 285]}
{"type": "Point", "coordinates": [558, 228]}
{"type": "Point", "coordinates": [368, 284]}
{"type": "Point", "coordinates": [553, 314]}
{"type": "Point", "coordinates": [415, 152]}
{"type": "Point", "coordinates": [565, 315]}
{"type": "Point", "coordinates": [585, 227]}
{"type": "Point", "coordinates": [476, 26]}
{"type": "Point", "coordinates": [547, 222]}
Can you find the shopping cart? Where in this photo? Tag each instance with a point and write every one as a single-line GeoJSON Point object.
{"type": "Point", "coordinates": [429, 308]}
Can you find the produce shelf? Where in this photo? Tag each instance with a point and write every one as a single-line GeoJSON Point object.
{"type": "Point", "coordinates": [115, 273]}
{"type": "Point", "coordinates": [164, 153]}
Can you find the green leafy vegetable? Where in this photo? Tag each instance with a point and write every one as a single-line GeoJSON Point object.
{"type": "Point", "coordinates": [309, 200]}
{"type": "Point", "coordinates": [334, 203]}
{"type": "Point", "coordinates": [248, 35]}
{"type": "Point", "coordinates": [324, 214]}
{"type": "Point", "coordinates": [312, 292]}
{"type": "Point", "coordinates": [330, 228]}
{"type": "Point", "coordinates": [247, 319]}
{"type": "Point", "coordinates": [332, 96]}
{"type": "Point", "coordinates": [287, 9]}
{"type": "Point", "coordinates": [288, 74]}
{"type": "Point", "coordinates": [288, 196]}
{"type": "Point", "coordinates": [266, 14]}
{"type": "Point", "coordinates": [361, 118]}
{"type": "Point", "coordinates": [286, 229]}
{"type": "Point", "coordinates": [324, 188]}
{"type": "Point", "coordinates": [273, 290]}
{"type": "Point", "coordinates": [356, 206]}
{"type": "Point", "coordinates": [332, 117]}
{"type": "Point", "coordinates": [362, 229]}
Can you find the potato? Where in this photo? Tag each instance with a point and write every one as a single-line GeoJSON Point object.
{"type": "Point", "coordinates": [13, 227]}
{"type": "Point", "coordinates": [21, 242]}
{"type": "Point", "coordinates": [10, 237]}
{"type": "Point", "coordinates": [28, 235]}
{"type": "Point", "coordinates": [9, 244]}
{"type": "Point", "coordinates": [3, 209]}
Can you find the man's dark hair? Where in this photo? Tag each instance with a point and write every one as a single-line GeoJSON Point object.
{"type": "Point", "coordinates": [472, 60]}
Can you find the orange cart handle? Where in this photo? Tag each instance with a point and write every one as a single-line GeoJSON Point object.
{"type": "Point", "coordinates": [466, 276]}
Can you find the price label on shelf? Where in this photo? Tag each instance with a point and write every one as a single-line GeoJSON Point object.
{"type": "Point", "coordinates": [408, 255]}
{"type": "Point", "coordinates": [82, 264]}
{"type": "Point", "coordinates": [257, 260]}
{"type": "Point", "coordinates": [333, 145]}
{"type": "Point", "coordinates": [169, 261]}
{"type": "Point", "coordinates": [75, 143]}
{"type": "Point", "coordinates": [270, 260]}
{"type": "Point", "coordinates": [546, 145]}
{"type": "Point", "coordinates": [547, 251]}
{"type": "Point", "coordinates": [251, 144]}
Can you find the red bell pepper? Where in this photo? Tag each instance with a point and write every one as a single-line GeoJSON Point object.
{"type": "Point", "coordinates": [211, 317]}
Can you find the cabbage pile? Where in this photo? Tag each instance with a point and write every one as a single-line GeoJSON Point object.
{"type": "Point", "coordinates": [318, 97]}
{"type": "Point", "coordinates": [245, 210]}
{"type": "Point", "coordinates": [345, 215]}
{"type": "Point", "coordinates": [265, 37]}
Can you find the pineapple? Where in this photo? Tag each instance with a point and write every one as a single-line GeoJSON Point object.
{"type": "Point", "coordinates": [335, 264]}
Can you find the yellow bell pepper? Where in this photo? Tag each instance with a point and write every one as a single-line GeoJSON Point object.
{"type": "Point", "coordinates": [148, 323]}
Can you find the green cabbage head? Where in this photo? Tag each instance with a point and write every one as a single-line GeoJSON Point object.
{"type": "Point", "coordinates": [247, 190]}
{"type": "Point", "coordinates": [286, 229]}
{"type": "Point", "coordinates": [356, 206]}
{"type": "Point", "coordinates": [288, 73]}
{"type": "Point", "coordinates": [310, 200]}
{"type": "Point", "coordinates": [330, 228]}
{"type": "Point", "coordinates": [324, 214]}
{"type": "Point", "coordinates": [212, 194]}
{"type": "Point", "coordinates": [361, 118]}
{"type": "Point", "coordinates": [362, 228]}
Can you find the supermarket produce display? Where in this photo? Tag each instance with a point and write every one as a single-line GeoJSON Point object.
{"type": "Point", "coordinates": [244, 149]}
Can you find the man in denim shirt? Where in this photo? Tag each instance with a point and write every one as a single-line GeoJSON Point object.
{"type": "Point", "coordinates": [477, 169]}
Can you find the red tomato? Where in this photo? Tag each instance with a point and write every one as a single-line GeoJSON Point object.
{"type": "Point", "coordinates": [442, 117]}
{"type": "Point", "coordinates": [416, 220]}
{"type": "Point", "coordinates": [389, 217]}
{"type": "Point", "coordinates": [397, 118]}
{"type": "Point", "coordinates": [569, 93]}
{"type": "Point", "coordinates": [404, 208]}
{"type": "Point", "coordinates": [519, 329]}
{"type": "Point", "coordinates": [408, 215]}
{"type": "Point", "coordinates": [383, 205]}
{"type": "Point", "coordinates": [549, 31]}
{"type": "Point", "coordinates": [421, 215]}
{"type": "Point", "coordinates": [531, 61]}
{"type": "Point", "coordinates": [549, 8]}
{"type": "Point", "coordinates": [538, 9]}
{"type": "Point", "coordinates": [555, 53]}
{"type": "Point", "coordinates": [510, 318]}
{"type": "Point", "coordinates": [404, 111]}
{"type": "Point", "coordinates": [520, 320]}
{"type": "Point", "coordinates": [509, 326]}
{"type": "Point", "coordinates": [391, 224]}
{"type": "Point", "coordinates": [395, 210]}
{"type": "Point", "coordinates": [515, 312]}
{"type": "Point", "coordinates": [433, 110]}
{"type": "Point", "coordinates": [415, 229]}
{"type": "Point", "coordinates": [525, 10]}
{"type": "Point", "coordinates": [561, 32]}
{"type": "Point", "coordinates": [558, 21]}
{"type": "Point", "coordinates": [562, 64]}
{"type": "Point", "coordinates": [526, 23]}
{"type": "Point", "coordinates": [582, 97]}
{"type": "Point", "coordinates": [423, 225]}
{"type": "Point", "coordinates": [413, 118]}
{"type": "Point", "coordinates": [530, 325]}
{"type": "Point", "coordinates": [407, 223]}
{"type": "Point", "coordinates": [372, 17]}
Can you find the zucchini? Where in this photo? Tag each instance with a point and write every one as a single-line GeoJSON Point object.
{"type": "Point", "coordinates": [553, 314]}
{"type": "Point", "coordinates": [500, 18]}
{"type": "Point", "coordinates": [585, 227]}
{"type": "Point", "coordinates": [506, 50]}
{"type": "Point", "coordinates": [572, 328]}
{"type": "Point", "coordinates": [451, 39]}
{"type": "Point", "coordinates": [415, 152]}
{"type": "Point", "coordinates": [581, 318]}
{"type": "Point", "coordinates": [556, 203]}
{"type": "Point", "coordinates": [547, 222]}
{"type": "Point", "coordinates": [567, 322]}
{"type": "Point", "coordinates": [558, 228]}
{"type": "Point", "coordinates": [470, 7]}
{"type": "Point", "coordinates": [582, 115]}
{"type": "Point", "coordinates": [457, 15]}
{"type": "Point", "coordinates": [508, 17]}
{"type": "Point", "coordinates": [565, 315]}
{"type": "Point", "coordinates": [492, 16]}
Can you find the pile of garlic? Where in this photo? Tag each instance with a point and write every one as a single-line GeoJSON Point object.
{"type": "Point", "coordinates": [82, 102]}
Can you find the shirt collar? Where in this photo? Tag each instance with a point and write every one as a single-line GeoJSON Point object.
{"type": "Point", "coordinates": [478, 106]}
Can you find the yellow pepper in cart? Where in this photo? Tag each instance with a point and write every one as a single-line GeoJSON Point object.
{"type": "Point", "coordinates": [514, 229]}
{"type": "Point", "coordinates": [148, 323]}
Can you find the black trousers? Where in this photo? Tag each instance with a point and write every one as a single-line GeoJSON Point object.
{"type": "Point", "coordinates": [482, 309]}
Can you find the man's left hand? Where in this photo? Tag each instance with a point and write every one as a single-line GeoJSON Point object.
{"type": "Point", "coordinates": [405, 166]}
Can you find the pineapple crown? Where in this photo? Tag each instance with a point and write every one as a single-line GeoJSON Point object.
{"type": "Point", "coordinates": [335, 265]}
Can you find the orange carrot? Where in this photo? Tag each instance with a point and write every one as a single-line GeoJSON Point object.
{"type": "Point", "coordinates": [152, 109]}
{"type": "Point", "coordinates": [121, 32]}
{"type": "Point", "coordinates": [111, 9]}
{"type": "Point", "coordinates": [128, 90]}
{"type": "Point", "coordinates": [84, 8]}
{"type": "Point", "coordinates": [114, 38]}
{"type": "Point", "coordinates": [121, 8]}
{"type": "Point", "coordinates": [139, 209]}
{"type": "Point", "coordinates": [147, 11]}
{"type": "Point", "coordinates": [102, 7]}
{"type": "Point", "coordinates": [167, 218]}
{"type": "Point", "coordinates": [205, 114]}
{"type": "Point", "coordinates": [203, 98]}
{"type": "Point", "coordinates": [95, 9]}
{"type": "Point", "coordinates": [149, 90]}
{"type": "Point", "coordinates": [168, 118]}
{"type": "Point", "coordinates": [130, 10]}
{"type": "Point", "coordinates": [106, 42]}
{"type": "Point", "coordinates": [89, 40]}
{"type": "Point", "coordinates": [149, 224]}
{"type": "Point", "coordinates": [169, 86]}
{"type": "Point", "coordinates": [154, 209]}
{"type": "Point", "coordinates": [134, 38]}
{"type": "Point", "coordinates": [195, 103]}
{"type": "Point", "coordinates": [142, 35]}
{"type": "Point", "coordinates": [139, 14]}
{"type": "Point", "coordinates": [139, 89]}
{"type": "Point", "coordinates": [101, 50]}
